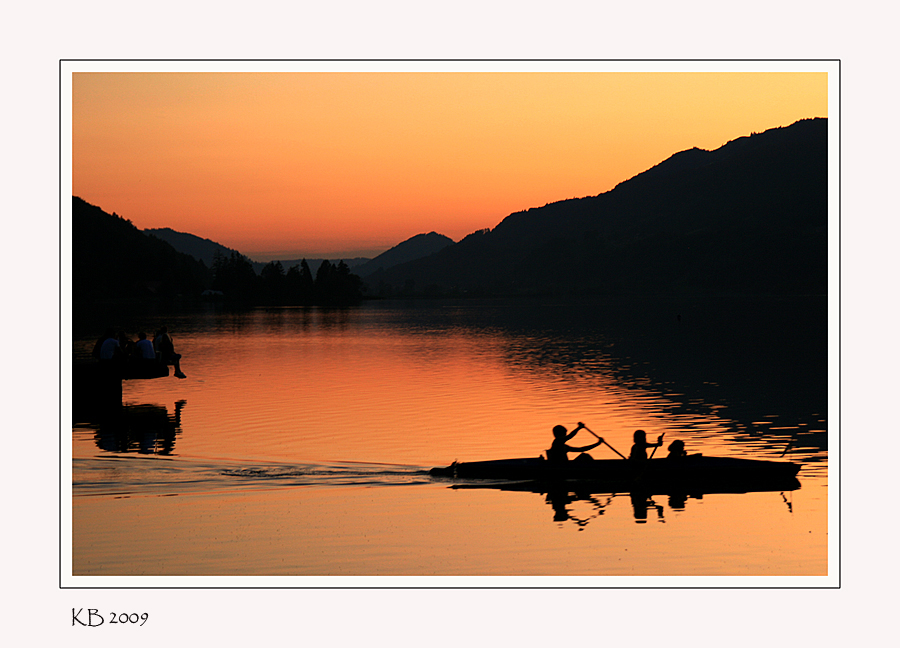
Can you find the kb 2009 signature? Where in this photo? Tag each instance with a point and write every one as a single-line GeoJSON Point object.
{"type": "Point", "coordinates": [93, 618]}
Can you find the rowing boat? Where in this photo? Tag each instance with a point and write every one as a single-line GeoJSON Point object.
{"type": "Point", "coordinates": [693, 472]}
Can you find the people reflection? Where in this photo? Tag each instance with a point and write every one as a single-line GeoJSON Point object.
{"type": "Point", "coordinates": [559, 450]}
{"type": "Point", "coordinates": [640, 503]}
{"type": "Point", "coordinates": [560, 497]}
{"type": "Point", "coordinates": [146, 429]}
{"type": "Point", "coordinates": [639, 449]}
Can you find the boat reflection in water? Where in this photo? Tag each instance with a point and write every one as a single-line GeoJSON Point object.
{"type": "Point", "coordinates": [144, 428]}
{"type": "Point", "coordinates": [562, 493]}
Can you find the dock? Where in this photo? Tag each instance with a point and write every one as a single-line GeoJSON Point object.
{"type": "Point", "coordinates": [97, 385]}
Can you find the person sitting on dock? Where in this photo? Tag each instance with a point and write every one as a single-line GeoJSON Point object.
{"type": "Point", "coordinates": [109, 353]}
{"type": "Point", "coordinates": [110, 349]}
{"type": "Point", "coordinates": [99, 345]}
{"type": "Point", "coordinates": [144, 348]}
{"type": "Point", "coordinates": [126, 345]}
{"type": "Point", "coordinates": [162, 341]}
{"type": "Point", "coordinates": [639, 449]}
{"type": "Point", "coordinates": [559, 450]}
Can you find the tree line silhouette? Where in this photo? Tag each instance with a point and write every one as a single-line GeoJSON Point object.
{"type": "Point", "coordinates": [115, 263]}
{"type": "Point", "coordinates": [333, 284]}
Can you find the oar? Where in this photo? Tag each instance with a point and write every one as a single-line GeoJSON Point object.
{"type": "Point", "coordinates": [660, 443]}
{"type": "Point", "coordinates": [790, 443]}
{"type": "Point", "coordinates": [603, 441]}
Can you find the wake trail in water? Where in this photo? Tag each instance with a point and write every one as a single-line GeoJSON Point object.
{"type": "Point", "coordinates": [135, 476]}
{"type": "Point", "coordinates": [333, 474]}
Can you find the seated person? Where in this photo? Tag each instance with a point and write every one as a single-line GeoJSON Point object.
{"type": "Point", "coordinates": [126, 344]}
{"type": "Point", "coordinates": [144, 348]}
{"type": "Point", "coordinates": [639, 449]}
{"type": "Point", "coordinates": [110, 355]}
{"type": "Point", "coordinates": [163, 344]}
{"type": "Point", "coordinates": [676, 450]}
{"type": "Point", "coordinates": [110, 348]}
{"type": "Point", "coordinates": [559, 451]}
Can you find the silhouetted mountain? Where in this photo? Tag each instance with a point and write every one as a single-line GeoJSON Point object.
{"type": "Point", "coordinates": [206, 250]}
{"type": "Point", "coordinates": [112, 260]}
{"type": "Point", "coordinates": [749, 217]}
{"type": "Point", "coordinates": [200, 248]}
{"type": "Point", "coordinates": [420, 245]}
{"type": "Point", "coordinates": [119, 268]}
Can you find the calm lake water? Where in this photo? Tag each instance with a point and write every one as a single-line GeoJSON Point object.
{"type": "Point", "coordinates": [300, 442]}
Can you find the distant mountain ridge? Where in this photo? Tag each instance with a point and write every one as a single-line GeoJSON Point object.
{"type": "Point", "coordinates": [420, 245]}
{"type": "Point", "coordinates": [112, 261]}
{"type": "Point", "coordinates": [200, 248]}
{"type": "Point", "coordinates": [205, 250]}
{"type": "Point", "coordinates": [119, 269]}
{"type": "Point", "coordinates": [748, 217]}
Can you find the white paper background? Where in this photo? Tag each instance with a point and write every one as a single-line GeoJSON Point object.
{"type": "Point", "coordinates": [36, 37]}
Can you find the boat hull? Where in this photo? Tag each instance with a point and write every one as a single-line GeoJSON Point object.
{"type": "Point", "coordinates": [692, 473]}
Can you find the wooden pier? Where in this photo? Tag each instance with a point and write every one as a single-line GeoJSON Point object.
{"type": "Point", "coordinates": [97, 385]}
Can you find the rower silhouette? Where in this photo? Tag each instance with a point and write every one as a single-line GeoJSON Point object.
{"type": "Point", "coordinates": [559, 450]}
{"type": "Point", "coordinates": [639, 449]}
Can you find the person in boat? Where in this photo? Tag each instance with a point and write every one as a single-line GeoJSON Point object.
{"type": "Point", "coordinates": [676, 450]}
{"type": "Point", "coordinates": [163, 344]}
{"type": "Point", "coordinates": [639, 449]}
{"type": "Point", "coordinates": [559, 450]}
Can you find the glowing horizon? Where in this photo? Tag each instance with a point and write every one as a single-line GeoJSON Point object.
{"type": "Point", "coordinates": [293, 164]}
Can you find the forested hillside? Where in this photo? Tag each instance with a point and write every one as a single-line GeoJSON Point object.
{"type": "Point", "coordinates": [750, 217]}
{"type": "Point", "coordinates": [114, 263]}
{"type": "Point", "coordinates": [112, 260]}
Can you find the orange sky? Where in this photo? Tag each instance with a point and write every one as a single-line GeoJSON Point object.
{"type": "Point", "coordinates": [342, 164]}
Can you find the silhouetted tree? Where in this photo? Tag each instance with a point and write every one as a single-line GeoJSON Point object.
{"type": "Point", "coordinates": [335, 284]}
{"type": "Point", "coordinates": [298, 285]}
{"type": "Point", "coordinates": [235, 277]}
{"type": "Point", "coordinates": [347, 286]}
{"type": "Point", "coordinates": [273, 283]}
{"type": "Point", "coordinates": [324, 283]}
{"type": "Point", "coordinates": [292, 286]}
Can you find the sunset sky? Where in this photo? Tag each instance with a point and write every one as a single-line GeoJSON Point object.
{"type": "Point", "coordinates": [343, 164]}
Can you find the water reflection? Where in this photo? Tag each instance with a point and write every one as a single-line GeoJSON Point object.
{"type": "Point", "coordinates": [708, 377]}
{"type": "Point", "coordinates": [700, 359]}
{"type": "Point", "coordinates": [641, 503]}
{"type": "Point", "coordinates": [285, 401]}
{"type": "Point", "coordinates": [145, 429]}
{"type": "Point", "coordinates": [559, 500]}
{"type": "Point", "coordinates": [563, 498]}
